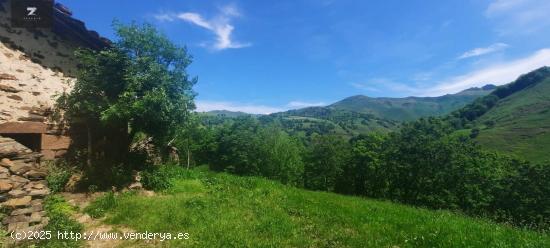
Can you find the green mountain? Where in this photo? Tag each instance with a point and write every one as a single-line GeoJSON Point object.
{"type": "Point", "coordinates": [515, 118]}
{"type": "Point", "coordinates": [359, 114]}
{"type": "Point", "coordinates": [410, 108]}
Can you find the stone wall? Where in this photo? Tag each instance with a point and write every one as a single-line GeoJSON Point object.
{"type": "Point", "coordinates": [22, 187]}
{"type": "Point", "coordinates": [36, 66]}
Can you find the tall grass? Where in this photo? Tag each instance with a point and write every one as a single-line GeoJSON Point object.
{"type": "Point", "coordinates": [220, 210]}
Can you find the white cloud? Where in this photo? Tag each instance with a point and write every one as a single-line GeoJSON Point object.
{"type": "Point", "coordinates": [204, 106]}
{"type": "Point", "coordinates": [497, 74]}
{"type": "Point", "coordinates": [300, 104]}
{"type": "Point", "coordinates": [164, 17]}
{"type": "Point", "coordinates": [484, 50]}
{"type": "Point", "coordinates": [220, 25]}
{"type": "Point", "coordinates": [195, 19]}
{"type": "Point", "coordinates": [514, 17]}
{"type": "Point", "coordinates": [498, 6]}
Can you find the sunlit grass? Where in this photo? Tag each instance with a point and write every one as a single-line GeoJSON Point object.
{"type": "Point", "coordinates": [220, 210]}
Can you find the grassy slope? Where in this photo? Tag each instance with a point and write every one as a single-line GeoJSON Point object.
{"type": "Point", "coordinates": [409, 108]}
{"type": "Point", "coordinates": [220, 210]}
{"type": "Point", "coordinates": [225, 113]}
{"type": "Point", "coordinates": [339, 122]}
{"type": "Point", "coordinates": [522, 124]}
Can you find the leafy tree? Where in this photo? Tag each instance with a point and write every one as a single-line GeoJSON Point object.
{"type": "Point", "coordinates": [281, 156]}
{"type": "Point", "coordinates": [138, 85]}
{"type": "Point", "coordinates": [237, 147]}
{"type": "Point", "coordinates": [326, 158]}
{"type": "Point", "coordinates": [363, 175]}
{"type": "Point", "coordinates": [245, 147]}
{"type": "Point", "coordinates": [193, 142]}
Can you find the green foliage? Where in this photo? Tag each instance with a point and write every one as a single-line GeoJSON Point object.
{"type": "Point", "coordinates": [98, 208]}
{"type": "Point", "coordinates": [138, 85]}
{"type": "Point", "coordinates": [59, 212]}
{"type": "Point", "coordinates": [245, 147]}
{"type": "Point", "coordinates": [426, 164]}
{"type": "Point", "coordinates": [58, 175]}
{"type": "Point", "coordinates": [103, 174]}
{"type": "Point", "coordinates": [359, 175]}
{"type": "Point", "coordinates": [525, 195]}
{"type": "Point", "coordinates": [326, 157]}
{"type": "Point", "coordinates": [161, 177]}
{"type": "Point", "coordinates": [194, 142]}
{"type": "Point", "coordinates": [280, 156]}
{"type": "Point", "coordinates": [220, 210]}
{"type": "Point", "coordinates": [328, 121]}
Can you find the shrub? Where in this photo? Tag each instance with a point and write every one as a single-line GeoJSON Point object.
{"type": "Point", "coordinates": [161, 177]}
{"type": "Point", "coordinates": [58, 175]}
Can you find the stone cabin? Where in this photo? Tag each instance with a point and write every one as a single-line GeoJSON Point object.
{"type": "Point", "coordinates": [35, 66]}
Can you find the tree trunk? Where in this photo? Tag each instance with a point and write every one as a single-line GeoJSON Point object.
{"type": "Point", "coordinates": [89, 157]}
{"type": "Point", "coordinates": [188, 157]}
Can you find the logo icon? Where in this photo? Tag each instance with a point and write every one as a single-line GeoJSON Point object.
{"type": "Point", "coordinates": [32, 13]}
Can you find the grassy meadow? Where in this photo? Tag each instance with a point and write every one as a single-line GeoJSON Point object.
{"type": "Point", "coordinates": [222, 210]}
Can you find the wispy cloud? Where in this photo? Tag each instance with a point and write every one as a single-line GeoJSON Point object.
{"type": "Point", "coordinates": [519, 16]}
{"type": "Point", "coordinates": [300, 104]}
{"type": "Point", "coordinates": [497, 74]}
{"type": "Point", "coordinates": [164, 17]}
{"type": "Point", "coordinates": [220, 25]}
{"type": "Point", "coordinates": [483, 50]}
{"type": "Point", "coordinates": [204, 106]}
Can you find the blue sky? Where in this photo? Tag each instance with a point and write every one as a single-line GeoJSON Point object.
{"type": "Point", "coordinates": [261, 56]}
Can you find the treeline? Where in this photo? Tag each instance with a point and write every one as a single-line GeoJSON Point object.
{"type": "Point", "coordinates": [423, 164]}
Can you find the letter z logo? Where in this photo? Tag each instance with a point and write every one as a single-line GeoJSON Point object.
{"type": "Point", "coordinates": [31, 11]}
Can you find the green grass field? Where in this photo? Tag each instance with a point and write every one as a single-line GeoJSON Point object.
{"type": "Point", "coordinates": [522, 124]}
{"type": "Point", "coordinates": [221, 210]}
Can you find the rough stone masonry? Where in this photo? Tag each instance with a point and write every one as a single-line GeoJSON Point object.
{"type": "Point", "coordinates": [22, 187]}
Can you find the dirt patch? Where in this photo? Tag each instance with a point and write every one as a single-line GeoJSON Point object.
{"type": "Point", "coordinates": [96, 227]}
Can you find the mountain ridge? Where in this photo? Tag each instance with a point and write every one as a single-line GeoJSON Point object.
{"type": "Point", "coordinates": [412, 107]}
{"type": "Point", "coordinates": [514, 118]}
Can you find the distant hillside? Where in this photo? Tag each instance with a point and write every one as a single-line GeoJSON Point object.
{"type": "Point", "coordinates": [359, 114]}
{"type": "Point", "coordinates": [225, 113]}
{"type": "Point", "coordinates": [514, 118]}
{"type": "Point", "coordinates": [324, 120]}
{"type": "Point", "coordinates": [410, 108]}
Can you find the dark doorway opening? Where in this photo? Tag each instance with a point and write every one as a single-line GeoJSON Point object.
{"type": "Point", "coordinates": [30, 140]}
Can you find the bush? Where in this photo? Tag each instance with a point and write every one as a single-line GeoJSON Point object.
{"type": "Point", "coordinates": [161, 177]}
{"type": "Point", "coordinates": [58, 175]}
{"type": "Point", "coordinates": [104, 174]}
